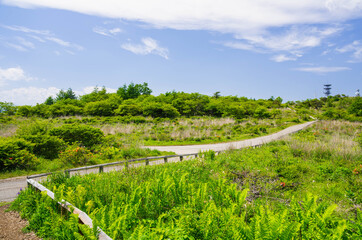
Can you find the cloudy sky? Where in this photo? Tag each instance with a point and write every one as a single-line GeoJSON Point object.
{"type": "Point", "coordinates": [252, 48]}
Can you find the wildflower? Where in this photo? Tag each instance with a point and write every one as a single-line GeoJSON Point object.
{"type": "Point", "coordinates": [355, 171]}
{"type": "Point", "coordinates": [282, 184]}
{"type": "Point", "coordinates": [10, 158]}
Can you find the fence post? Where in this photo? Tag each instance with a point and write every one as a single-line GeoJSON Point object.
{"type": "Point", "coordinates": [165, 159]}
{"type": "Point", "coordinates": [181, 158]}
{"type": "Point", "coordinates": [147, 161]}
{"type": "Point", "coordinates": [196, 155]}
{"type": "Point", "coordinates": [100, 169]}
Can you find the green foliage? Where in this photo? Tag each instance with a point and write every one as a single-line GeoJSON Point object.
{"type": "Point", "coordinates": [85, 135]}
{"type": "Point", "coordinates": [49, 101]}
{"type": "Point", "coordinates": [155, 109]}
{"type": "Point", "coordinates": [24, 111]}
{"type": "Point", "coordinates": [46, 146]}
{"type": "Point", "coordinates": [133, 90]}
{"type": "Point", "coordinates": [7, 108]}
{"type": "Point", "coordinates": [356, 107]}
{"type": "Point", "coordinates": [95, 96]}
{"type": "Point", "coordinates": [129, 108]}
{"type": "Point", "coordinates": [261, 112]}
{"type": "Point", "coordinates": [15, 153]}
{"type": "Point", "coordinates": [99, 108]}
{"type": "Point", "coordinates": [63, 95]}
{"type": "Point", "coordinates": [74, 155]}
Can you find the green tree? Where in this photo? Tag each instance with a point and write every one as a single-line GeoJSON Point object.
{"type": "Point", "coordinates": [49, 101]}
{"type": "Point", "coordinates": [62, 95]}
{"type": "Point", "coordinates": [7, 108]}
{"type": "Point", "coordinates": [134, 90]}
{"type": "Point", "coordinates": [95, 95]}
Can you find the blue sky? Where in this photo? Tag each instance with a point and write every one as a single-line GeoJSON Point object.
{"type": "Point", "coordinates": [252, 48]}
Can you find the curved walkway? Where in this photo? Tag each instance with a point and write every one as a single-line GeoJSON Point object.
{"type": "Point", "coordinates": [232, 145]}
{"type": "Point", "coordinates": [11, 186]}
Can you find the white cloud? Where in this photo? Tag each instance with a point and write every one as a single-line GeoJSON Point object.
{"type": "Point", "coordinates": [148, 46]}
{"type": "Point", "coordinates": [65, 43]}
{"type": "Point", "coordinates": [322, 69]}
{"type": "Point", "coordinates": [25, 43]}
{"type": "Point", "coordinates": [27, 30]}
{"type": "Point", "coordinates": [16, 47]}
{"type": "Point", "coordinates": [13, 74]}
{"type": "Point", "coordinates": [294, 40]}
{"type": "Point", "coordinates": [355, 47]}
{"type": "Point", "coordinates": [28, 95]}
{"type": "Point", "coordinates": [41, 36]}
{"type": "Point", "coordinates": [232, 16]}
{"type": "Point", "coordinates": [283, 58]}
{"type": "Point", "coordinates": [253, 22]}
{"type": "Point", "coordinates": [34, 95]}
{"type": "Point", "coordinates": [107, 32]}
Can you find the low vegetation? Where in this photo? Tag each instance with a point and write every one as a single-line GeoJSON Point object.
{"type": "Point", "coordinates": [307, 186]}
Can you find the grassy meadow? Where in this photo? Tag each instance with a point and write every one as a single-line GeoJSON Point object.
{"type": "Point", "coordinates": [306, 186]}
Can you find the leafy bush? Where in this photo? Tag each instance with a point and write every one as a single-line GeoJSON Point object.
{"type": "Point", "coordinates": [15, 153]}
{"type": "Point", "coordinates": [161, 110]}
{"type": "Point", "coordinates": [100, 108]}
{"type": "Point", "coordinates": [45, 145]}
{"type": "Point", "coordinates": [74, 155]}
{"type": "Point", "coordinates": [33, 128]}
{"type": "Point", "coordinates": [261, 112]}
{"type": "Point", "coordinates": [83, 134]}
{"type": "Point", "coordinates": [127, 109]}
{"type": "Point", "coordinates": [356, 107]}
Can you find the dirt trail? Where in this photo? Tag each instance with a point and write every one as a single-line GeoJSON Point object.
{"type": "Point", "coordinates": [11, 226]}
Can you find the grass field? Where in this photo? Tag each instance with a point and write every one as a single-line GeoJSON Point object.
{"type": "Point", "coordinates": [307, 186]}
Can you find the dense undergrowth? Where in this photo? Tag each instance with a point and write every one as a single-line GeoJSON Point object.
{"type": "Point", "coordinates": [308, 186]}
{"type": "Point", "coordinates": [30, 145]}
{"type": "Point", "coordinates": [44, 146]}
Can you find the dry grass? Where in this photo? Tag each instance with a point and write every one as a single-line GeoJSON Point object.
{"type": "Point", "coordinates": [8, 130]}
{"type": "Point", "coordinates": [330, 138]}
{"type": "Point", "coordinates": [184, 129]}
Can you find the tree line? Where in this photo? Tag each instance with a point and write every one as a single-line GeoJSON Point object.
{"type": "Point", "coordinates": [136, 100]}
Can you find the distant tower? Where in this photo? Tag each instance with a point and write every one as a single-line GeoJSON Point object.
{"type": "Point", "coordinates": [327, 89]}
{"type": "Point", "coordinates": [357, 93]}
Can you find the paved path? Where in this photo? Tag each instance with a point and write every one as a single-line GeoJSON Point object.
{"type": "Point", "coordinates": [232, 145]}
{"type": "Point", "coordinates": [11, 186]}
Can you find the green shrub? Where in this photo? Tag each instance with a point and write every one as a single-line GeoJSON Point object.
{"type": "Point", "coordinates": [74, 155]}
{"type": "Point", "coordinates": [85, 135]}
{"type": "Point", "coordinates": [34, 128]}
{"type": "Point", "coordinates": [261, 112]}
{"type": "Point", "coordinates": [24, 111]}
{"type": "Point", "coordinates": [45, 145]}
{"type": "Point", "coordinates": [161, 110]}
{"type": "Point", "coordinates": [356, 107]}
{"type": "Point", "coordinates": [15, 153]}
{"type": "Point", "coordinates": [128, 110]}
{"type": "Point", "coordinates": [100, 108]}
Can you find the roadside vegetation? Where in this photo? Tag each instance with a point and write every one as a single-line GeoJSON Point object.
{"type": "Point", "coordinates": [306, 186]}
{"type": "Point", "coordinates": [103, 127]}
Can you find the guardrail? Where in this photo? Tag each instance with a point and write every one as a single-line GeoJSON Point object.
{"type": "Point", "coordinates": [146, 159]}
{"type": "Point", "coordinates": [83, 217]}
{"type": "Point", "coordinates": [101, 166]}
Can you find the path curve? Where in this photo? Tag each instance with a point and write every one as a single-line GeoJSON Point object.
{"type": "Point", "coordinates": [10, 187]}
{"type": "Point", "coordinates": [232, 145]}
